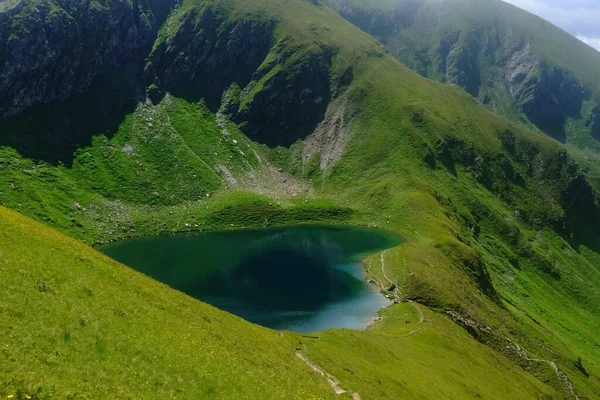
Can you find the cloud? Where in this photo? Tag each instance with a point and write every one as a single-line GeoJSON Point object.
{"type": "Point", "coordinates": [594, 42]}
{"type": "Point", "coordinates": [578, 17]}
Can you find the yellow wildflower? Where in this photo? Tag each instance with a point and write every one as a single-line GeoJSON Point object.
{"type": "Point", "coordinates": [10, 396]}
{"type": "Point", "coordinates": [28, 397]}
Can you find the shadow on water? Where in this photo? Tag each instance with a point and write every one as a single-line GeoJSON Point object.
{"type": "Point", "coordinates": [296, 278]}
{"type": "Point", "coordinates": [284, 279]}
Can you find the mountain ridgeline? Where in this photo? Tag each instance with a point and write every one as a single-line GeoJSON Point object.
{"type": "Point", "coordinates": [128, 118]}
{"type": "Point", "coordinates": [515, 63]}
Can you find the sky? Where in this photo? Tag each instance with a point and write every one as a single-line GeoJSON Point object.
{"type": "Point", "coordinates": [580, 18]}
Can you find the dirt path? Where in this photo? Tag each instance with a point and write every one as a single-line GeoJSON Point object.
{"type": "Point", "coordinates": [392, 284]}
{"type": "Point", "coordinates": [513, 346]}
{"type": "Point", "coordinates": [382, 261]}
{"type": "Point", "coordinates": [333, 381]}
{"type": "Point", "coordinates": [421, 319]}
{"type": "Point", "coordinates": [397, 295]}
{"type": "Point", "coordinates": [563, 378]}
{"type": "Point", "coordinates": [372, 277]}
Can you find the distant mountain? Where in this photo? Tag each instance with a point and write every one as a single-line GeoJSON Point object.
{"type": "Point", "coordinates": [514, 62]}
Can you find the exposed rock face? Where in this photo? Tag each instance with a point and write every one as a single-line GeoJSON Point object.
{"type": "Point", "coordinates": [331, 136]}
{"type": "Point", "coordinates": [462, 70]}
{"type": "Point", "coordinates": [520, 62]}
{"type": "Point", "coordinates": [50, 49]}
{"type": "Point", "coordinates": [545, 94]}
{"type": "Point", "coordinates": [206, 54]}
{"type": "Point", "coordinates": [580, 202]}
{"type": "Point", "coordinates": [291, 102]}
{"type": "Point", "coordinates": [201, 54]}
{"type": "Point", "coordinates": [549, 97]}
{"type": "Point", "coordinates": [276, 102]}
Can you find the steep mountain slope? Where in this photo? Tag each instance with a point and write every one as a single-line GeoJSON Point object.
{"type": "Point", "coordinates": [268, 112]}
{"type": "Point", "coordinates": [514, 62]}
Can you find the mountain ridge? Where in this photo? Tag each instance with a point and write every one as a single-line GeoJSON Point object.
{"type": "Point", "coordinates": [502, 55]}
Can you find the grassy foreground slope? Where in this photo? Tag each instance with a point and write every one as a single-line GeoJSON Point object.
{"type": "Point", "coordinates": [501, 222]}
{"type": "Point", "coordinates": [76, 324]}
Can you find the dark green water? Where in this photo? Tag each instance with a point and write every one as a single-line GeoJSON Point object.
{"type": "Point", "coordinates": [302, 278]}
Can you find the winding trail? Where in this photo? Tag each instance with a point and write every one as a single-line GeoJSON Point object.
{"type": "Point", "coordinates": [562, 377]}
{"type": "Point", "coordinates": [382, 261]}
{"type": "Point", "coordinates": [398, 296]}
{"type": "Point", "coordinates": [333, 381]}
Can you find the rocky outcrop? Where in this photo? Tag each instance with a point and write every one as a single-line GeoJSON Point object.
{"type": "Point", "coordinates": [520, 62]}
{"type": "Point", "coordinates": [545, 94]}
{"type": "Point", "coordinates": [580, 203]}
{"type": "Point", "coordinates": [207, 53]}
{"type": "Point", "coordinates": [237, 69]}
{"type": "Point", "coordinates": [51, 49]}
{"type": "Point", "coordinates": [462, 69]}
{"type": "Point", "coordinates": [331, 136]}
{"type": "Point", "coordinates": [286, 101]}
{"type": "Point", "coordinates": [548, 97]}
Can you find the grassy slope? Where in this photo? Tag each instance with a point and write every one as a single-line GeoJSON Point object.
{"type": "Point", "coordinates": [435, 20]}
{"type": "Point", "coordinates": [75, 323]}
{"type": "Point", "coordinates": [383, 176]}
{"type": "Point", "coordinates": [428, 360]}
{"type": "Point", "coordinates": [400, 194]}
{"type": "Point", "coordinates": [138, 338]}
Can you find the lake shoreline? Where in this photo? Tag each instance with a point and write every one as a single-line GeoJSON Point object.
{"type": "Point", "coordinates": [228, 264]}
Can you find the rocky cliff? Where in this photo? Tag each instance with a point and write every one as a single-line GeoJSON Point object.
{"type": "Point", "coordinates": [51, 49]}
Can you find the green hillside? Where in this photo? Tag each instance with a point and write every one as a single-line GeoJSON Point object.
{"type": "Point", "coordinates": [231, 114]}
{"type": "Point", "coordinates": [514, 62]}
{"type": "Point", "coordinates": [78, 325]}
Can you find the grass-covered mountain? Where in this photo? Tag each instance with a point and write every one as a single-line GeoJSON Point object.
{"type": "Point", "coordinates": [514, 62]}
{"type": "Point", "coordinates": [220, 113]}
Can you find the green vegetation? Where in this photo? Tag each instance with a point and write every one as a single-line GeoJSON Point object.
{"type": "Point", "coordinates": [405, 356]}
{"type": "Point", "coordinates": [514, 62]}
{"type": "Point", "coordinates": [501, 226]}
{"type": "Point", "coordinates": [79, 325]}
{"type": "Point", "coordinates": [139, 338]}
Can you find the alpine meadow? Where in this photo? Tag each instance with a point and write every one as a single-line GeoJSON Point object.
{"type": "Point", "coordinates": [464, 133]}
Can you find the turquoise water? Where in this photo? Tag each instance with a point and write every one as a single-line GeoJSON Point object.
{"type": "Point", "coordinates": [301, 278]}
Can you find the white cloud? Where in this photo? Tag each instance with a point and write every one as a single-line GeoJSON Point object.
{"type": "Point", "coordinates": [578, 17]}
{"type": "Point", "coordinates": [594, 42]}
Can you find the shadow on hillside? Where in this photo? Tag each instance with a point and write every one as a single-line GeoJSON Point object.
{"type": "Point", "coordinates": [54, 132]}
{"type": "Point", "coordinates": [558, 133]}
{"type": "Point", "coordinates": [587, 237]}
